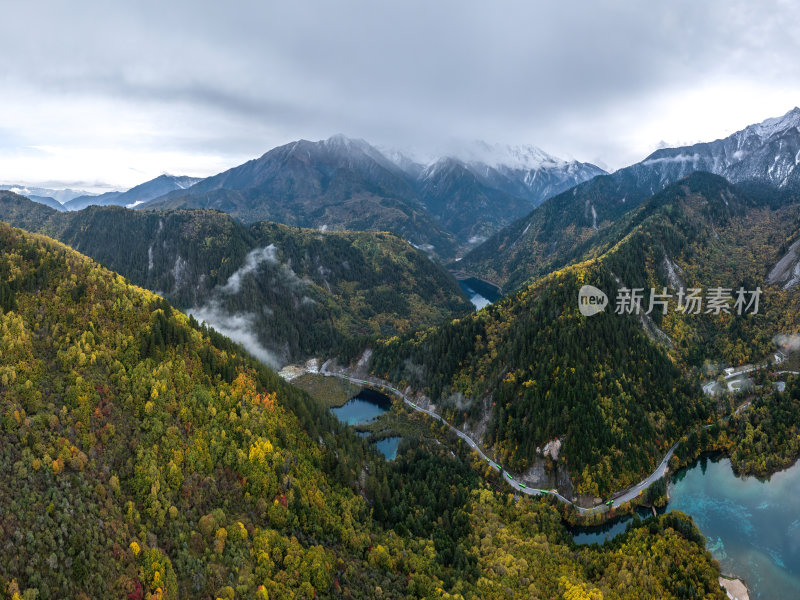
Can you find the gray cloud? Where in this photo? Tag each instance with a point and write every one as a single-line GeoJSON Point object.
{"type": "Point", "coordinates": [237, 78]}
{"type": "Point", "coordinates": [240, 328]}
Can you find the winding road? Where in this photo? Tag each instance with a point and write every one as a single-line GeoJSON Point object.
{"type": "Point", "coordinates": [618, 498]}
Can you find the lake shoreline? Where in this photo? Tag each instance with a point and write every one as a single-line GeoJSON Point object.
{"type": "Point", "coordinates": [749, 525]}
{"type": "Point", "coordinates": [734, 587]}
{"type": "Point", "coordinates": [331, 392]}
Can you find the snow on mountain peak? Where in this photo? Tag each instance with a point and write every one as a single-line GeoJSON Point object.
{"type": "Point", "coordinates": [438, 166]}
{"type": "Point", "coordinates": [769, 127]}
{"type": "Point", "coordinates": [341, 141]}
{"type": "Point", "coordinates": [525, 157]}
{"type": "Point", "coordinates": [342, 144]}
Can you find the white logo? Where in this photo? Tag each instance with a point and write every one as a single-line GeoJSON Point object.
{"type": "Point", "coordinates": [591, 300]}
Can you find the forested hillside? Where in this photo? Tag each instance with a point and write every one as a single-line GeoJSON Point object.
{"type": "Point", "coordinates": [296, 292]}
{"type": "Point", "coordinates": [618, 389]}
{"type": "Point", "coordinates": [144, 457]}
{"type": "Point", "coordinates": [532, 369]}
{"type": "Point", "coordinates": [138, 455]}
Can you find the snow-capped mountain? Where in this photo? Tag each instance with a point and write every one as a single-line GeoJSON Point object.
{"type": "Point", "coordinates": [348, 183]}
{"type": "Point", "coordinates": [474, 206]}
{"type": "Point", "coordinates": [353, 152]}
{"type": "Point", "coordinates": [767, 151]}
{"type": "Point", "coordinates": [543, 182]}
{"type": "Point", "coordinates": [505, 156]}
{"type": "Point", "coordinates": [524, 171]}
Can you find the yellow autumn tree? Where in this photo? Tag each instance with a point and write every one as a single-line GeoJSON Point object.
{"type": "Point", "coordinates": [579, 591]}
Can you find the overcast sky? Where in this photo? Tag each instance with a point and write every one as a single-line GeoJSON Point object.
{"type": "Point", "coordinates": [111, 94]}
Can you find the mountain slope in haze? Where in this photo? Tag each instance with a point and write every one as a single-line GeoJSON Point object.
{"type": "Point", "coordinates": [47, 201]}
{"type": "Point", "coordinates": [455, 196]}
{"type": "Point", "coordinates": [616, 389]}
{"type": "Point", "coordinates": [154, 188]}
{"type": "Point", "coordinates": [144, 457]}
{"type": "Point", "coordinates": [61, 196]}
{"type": "Point", "coordinates": [551, 235]}
{"type": "Point", "coordinates": [104, 199]}
{"type": "Point", "coordinates": [342, 183]}
{"type": "Point", "coordinates": [287, 293]}
{"type": "Point", "coordinates": [140, 194]}
{"type": "Point", "coordinates": [39, 195]}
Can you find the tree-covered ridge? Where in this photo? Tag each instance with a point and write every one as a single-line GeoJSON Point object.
{"type": "Point", "coordinates": [137, 456]}
{"type": "Point", "coordinates": [308, 290]}
{"type": "Point", "coordinates": [618, 388]}
{"type": "Point", "coordinates": [381, 283]}
{"type": "Point", "coordinates": [657, 560]}
{"type": "Point", "coordinates": [705, 233]}
{"type": "Point", "coordinates": [540, 370]}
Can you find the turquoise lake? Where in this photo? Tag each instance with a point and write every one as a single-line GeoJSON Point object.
{"type": "Point", "coordinates": [480, 293]}
{"type": "Point", "coordinates": [751, 527]}
{"type": "Point", "coordinates": [364, 408]}
{"type": "Point", "coordinates": [388, 447]}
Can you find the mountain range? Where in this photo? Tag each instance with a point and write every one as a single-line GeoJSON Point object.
{"type": "Point", "coordinates": [452, 204]}
{"type": "Point", "coordinates": [153, 458]}
{"type": "Point", "coordinates": [54, 198]}
{"type": "Point", "coordinates": [342, 183]}
{"type": "Point", "coordinates": [562, 227]}
{"type": "Point", "coordinates": [40, 195]}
